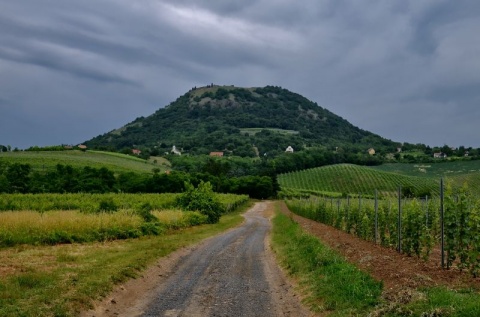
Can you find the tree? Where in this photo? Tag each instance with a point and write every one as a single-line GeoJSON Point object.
{"type": "Point", "coordinates": [18, 176]}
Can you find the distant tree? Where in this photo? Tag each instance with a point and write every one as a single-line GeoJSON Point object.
{"type": "Point", "coordinates": [18, 176]}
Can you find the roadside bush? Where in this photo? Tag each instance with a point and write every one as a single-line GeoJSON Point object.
{"type": "Point", "coordinates": [201, 199]}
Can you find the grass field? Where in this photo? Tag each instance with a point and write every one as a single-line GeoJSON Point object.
{"type": "Point", "coordinates": [116, 162]}
{"type": "Point", "coordinates": [253, 131]}
{"type": "Point", "coordinates": [65, 279]}
{"type": "Point", "coordinates": [354, 179]}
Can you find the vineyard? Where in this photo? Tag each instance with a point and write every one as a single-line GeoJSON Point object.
{"type": "Point", "coordinates": [66, 218]}
{"type": "Point", "coordinates": [437, 170]}
{"type": "Point", "coordinates": [47, 161]}
{"type": "Point", "coordinates": [457, 172]}
{"type": "Point", "coordinates": [339, 179]}
{"type": "Point", "coordinates": [412, 226]}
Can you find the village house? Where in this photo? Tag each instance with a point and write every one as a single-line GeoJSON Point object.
{"type": "Point", "coordinates": [136, 151]}
{"type": "Point", "coordinates": [175, 151]}
{"type": "Point", "coordinates": [371, 151]}
{"type": "Point", "coordinates": [82, 147]}
{"type": "Point", "coordinates": [289, 149]}
{"type": "Point", "coordinates": [439, 155]}
{"type": "Point", "coordinates": [217, 154]}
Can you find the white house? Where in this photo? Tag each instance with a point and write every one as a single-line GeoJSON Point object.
{"type": "Point", "coordinates": [289, 149]}
{"type": "Point", "coordinates": [175, 151]}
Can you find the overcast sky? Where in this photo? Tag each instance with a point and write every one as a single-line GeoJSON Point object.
{"type": "Point", "coordinates": [408, 70]}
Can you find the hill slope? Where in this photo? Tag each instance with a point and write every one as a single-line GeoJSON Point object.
{"type": "Point", "coordinates": [116, 162]}
{"type": "Point", "coordinates": [354, 179]}
{"type": "Point", "coordinates": [241, 121]}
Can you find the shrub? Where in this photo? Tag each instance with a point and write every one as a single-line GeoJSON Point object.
{"type": "Point", "coordinates": [201, 199]}
{"type": "Point", "coordinates": [145, 212]}
{"type": "Point", "coordinates": [107, 205]}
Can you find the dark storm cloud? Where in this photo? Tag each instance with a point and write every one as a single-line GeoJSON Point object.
{"type": "Point", "coordinates": [397, 68]}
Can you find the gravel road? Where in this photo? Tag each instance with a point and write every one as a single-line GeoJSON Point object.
{"type": "Point", "coordinates": [233, 274]}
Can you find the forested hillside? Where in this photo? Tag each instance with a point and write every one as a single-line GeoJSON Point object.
{"type": "Point", "coordinates": [242, 122]}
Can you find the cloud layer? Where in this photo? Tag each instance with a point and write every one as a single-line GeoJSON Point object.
{"type": "Point", "coordinates": [407, 70]}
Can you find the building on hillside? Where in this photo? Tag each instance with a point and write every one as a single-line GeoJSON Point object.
{"type": "Point", "coordinates": [439, 155]}
{"type": "Point", "coordinates": [371, 151]}
{"type": "Point", "coordinates": [136, 151]}
{"type": "Point", "coordinates": [175, 151]}
{"type": "Point", "coordinates": [218, 154]}
{"type": "Point", "coordinates": [289, 149]}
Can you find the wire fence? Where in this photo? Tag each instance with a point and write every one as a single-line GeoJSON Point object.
{"type": "Point", "coordinates": [411, 226]}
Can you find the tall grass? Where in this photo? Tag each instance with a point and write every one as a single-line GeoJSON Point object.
{"type": "Point", "coordinates": [29, 227]}
{"type": "Point", "coordinates": [40, 219]}
{"type": "Point", "coordinates": [91, 202]}
{"type": "Point", "coordinates": [83, 202]}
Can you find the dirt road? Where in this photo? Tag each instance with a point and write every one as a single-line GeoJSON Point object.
{"type": "Point", "coordinates": [233, 274]}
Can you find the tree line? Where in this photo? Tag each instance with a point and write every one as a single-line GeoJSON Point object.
{"type": "Point", "coordinates": [21, 178]}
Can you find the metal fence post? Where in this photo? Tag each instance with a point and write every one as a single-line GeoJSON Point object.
{"type": "Point", "coordinates": [442, 224]}
{"type": "Point", "coordinates": [376, 217]}
{"type": "Point", "coordinates": [399, 226]}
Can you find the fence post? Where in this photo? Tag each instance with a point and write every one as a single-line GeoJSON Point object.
{"type": "Point", "coordinates": [442, 224]}
{"type": "Point", "coordinates": [426, 211]}
{"type": "Point", "coordinates": [376, 217]}
{"type": "Point", "coordinates": [399, 225]}
{"type": "Point", "coordinates": [348, 207]}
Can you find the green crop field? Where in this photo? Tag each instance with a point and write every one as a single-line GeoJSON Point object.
{"type": "Point", "coordinates": [437, 170]}
{"type": "Point", "coordinates": [457, 172]}
{"type": "Point", "coordinates": [354, 179]}
{"type": "Point", "coordinates": [116, 162]}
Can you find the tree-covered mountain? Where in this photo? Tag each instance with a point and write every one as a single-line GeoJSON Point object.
{"type": "Point", "coordinates": [242, 122]}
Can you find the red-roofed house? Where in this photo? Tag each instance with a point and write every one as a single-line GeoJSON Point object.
{"type": "Point", "coordinates": [219, 154]}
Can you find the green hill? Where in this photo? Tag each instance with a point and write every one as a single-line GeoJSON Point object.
{"type": "Point", "coordinates": [242, 122]}
{"type": "Point", "coordinates": [354, 179]}
{"type": "Point", "coordinates": [116, 162]}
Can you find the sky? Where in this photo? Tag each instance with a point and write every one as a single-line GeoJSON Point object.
{"type": "Point", "coordinates": [408, 70]}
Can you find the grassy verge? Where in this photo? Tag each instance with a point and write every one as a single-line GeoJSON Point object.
{"type": "Point", "coordinates": [446, 302]}
{"type": "Point", "coordinates": [329, 282]}
{"type": "Point", "coordinates": [432, 302]}
{"type": "Point", "coordinates": [63, 280]}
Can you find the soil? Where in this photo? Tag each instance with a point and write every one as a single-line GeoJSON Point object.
{"type": "Point", "coordinates": [262, 290]}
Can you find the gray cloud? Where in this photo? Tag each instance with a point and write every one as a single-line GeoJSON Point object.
{"type": "Point", "coordinates": [402, 69]}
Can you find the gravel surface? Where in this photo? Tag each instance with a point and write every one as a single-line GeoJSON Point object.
{"type": "Point", "coordinates": [232, 274]}
{"type": "Point", "coordinates": [229, 276]}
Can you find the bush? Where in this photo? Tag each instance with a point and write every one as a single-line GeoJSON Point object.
{"type": "Point", "coordinates": [145, 212]}
{"type": "Point", "coordinates": [107, 205]}
{"type": "Point", "coordinates": [201, 199]}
